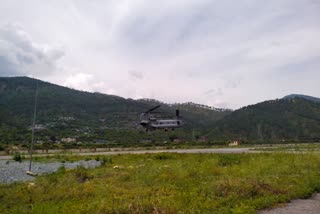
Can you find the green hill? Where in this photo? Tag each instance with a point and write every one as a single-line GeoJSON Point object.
{"type": "Point", "coordinates": [58, 104]}
{"type": "Point", "coordinates": [296, 118]}
{"type": "Point", "coordinates": [306, 97]}
{"type": "Point", "coordinates": [95, 117]}
{"type": "Point", "coordinates": [65, 112]}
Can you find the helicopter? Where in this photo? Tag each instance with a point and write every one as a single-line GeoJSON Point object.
{"type": "Point", "coordinates": [150, 122]}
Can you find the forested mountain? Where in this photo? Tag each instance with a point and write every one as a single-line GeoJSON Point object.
{"type": "Point", "coordinates": [61, 104]}
{"type": "Point", "coordinates": [290, 118]}
{"type": "Point", "coordinates": [306, 97]}
{"type": "Point", "coordinates": [58, 105]}
{"type": "Point", "coordinates": [64, 112]}
{"type": "Point", "coordinates": [67, 112]}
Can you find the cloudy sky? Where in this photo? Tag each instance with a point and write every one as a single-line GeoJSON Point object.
{"type": "Point", "coordinates": [223, 53]}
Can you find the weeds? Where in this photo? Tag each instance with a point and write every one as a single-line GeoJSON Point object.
{"type": "Point", "coordinates": [163, 156]}
{"type": "Point", "coordinates": [106, 160]}
{"type": "Point", "coordinates": [170, 183]}
{"type": "Point", "coordinates": [229, 159]}
{"type": "Point", "coordinates": [82, 175]}
{"type": "Point", "coordinates": [61, 170]}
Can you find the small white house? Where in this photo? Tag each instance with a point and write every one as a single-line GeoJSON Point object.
{"type": "Point", "coordinates": [68, 140]}
{"type": "Point", "coordinates": [234, 143]}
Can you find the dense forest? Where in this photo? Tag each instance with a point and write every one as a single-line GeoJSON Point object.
{"type": "Point", "coordinates": [292, 118]}
{"type": "Point", "coordinates": [91, 117]}
{"type": "Point", "coordinates": [106, 119]}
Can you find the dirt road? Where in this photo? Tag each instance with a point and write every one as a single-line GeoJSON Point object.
{"type": "Point", "coordinates": [300, 206]}
{"type": "Point", "coordinates": [194, 151]}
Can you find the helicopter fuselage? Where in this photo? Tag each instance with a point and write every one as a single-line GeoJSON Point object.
{"type": "Point", "coordinates": [152, 123]}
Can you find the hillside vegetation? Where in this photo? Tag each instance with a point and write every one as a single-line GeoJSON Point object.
{"type": "Point", "coordinates": [94, 117]}
{"type": "Point", "coordinates": [283, 119]}
{"type": "Point", "coordinates": [64, 112]}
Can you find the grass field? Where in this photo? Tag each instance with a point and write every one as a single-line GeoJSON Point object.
{"type": "Point", "coordinates": [169, 183]}
{"type": "Point", "coordinates": [306, 147]}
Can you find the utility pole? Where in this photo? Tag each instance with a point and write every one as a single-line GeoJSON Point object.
{"type": "Point", "coordinates": [33, 129]}
{"type": "Point", "coordinates": [193, 135]}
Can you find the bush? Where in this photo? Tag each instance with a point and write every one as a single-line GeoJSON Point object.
{"type": "Point", "coordinates": [61, 169]}
{"type": "Point", "coordinates": [106, 160]}
{"type": "Point", "coordinates": [17, 157]}
{"type": "Point", "coordinates": [228, 159]}
{"type": "Point", "coordinates": [82, 175]}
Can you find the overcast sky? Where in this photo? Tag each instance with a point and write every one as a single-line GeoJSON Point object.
{"type": "Point", "coordinates": [223, 53]}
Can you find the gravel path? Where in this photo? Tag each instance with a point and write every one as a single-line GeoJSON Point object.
{"type": "Point", "coordinates": [11, 171]}
{"type": "Point", "coordinates": [300, 206]}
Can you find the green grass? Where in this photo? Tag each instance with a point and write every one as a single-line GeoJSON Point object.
{"type": "Point", "coordinates": [307, 147]}
{"type": "Point", "coordinates": [170, 183]}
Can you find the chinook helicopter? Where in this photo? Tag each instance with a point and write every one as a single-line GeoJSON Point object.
{"type": "Point", "coordinates": [150, 122]}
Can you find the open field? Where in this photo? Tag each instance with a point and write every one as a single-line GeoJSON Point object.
{"type": "Point", "coordinates": [140, 151]}
{"type": "Point", "coordinates": [169, 183]}
{"type": "Point", "coordinates": [299, 147]}
{"type": "Point", "coordinates": [289, 148]}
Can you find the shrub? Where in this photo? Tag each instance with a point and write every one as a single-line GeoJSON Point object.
{"type": "Point", "coordinates": [228, 159]}
{"type": "Point", "coordinates": [17, 157]}
{"type": "Point", "coordinates": [61, 169]}
{"type": "Point", "coordinates": [82, 175]}
{"type": "Point", "coordinates": [106, 160]}
{"type": "Point", "coordinates": [163, 156]}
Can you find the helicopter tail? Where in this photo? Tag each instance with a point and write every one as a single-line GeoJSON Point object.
{"type": "Point", "coordinates": [177, 113]}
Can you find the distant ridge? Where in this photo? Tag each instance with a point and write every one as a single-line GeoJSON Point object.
{"type": "Point", "coordinates": [191, 104]}
{"type": "Point", "coordinates": [94, 110]}
{"type": "Point", "coordinates": [301, 96]}
{"type": "Point", "coordinates": [295, 117]}
{"type": "Point", "coordinates": [64, 112]}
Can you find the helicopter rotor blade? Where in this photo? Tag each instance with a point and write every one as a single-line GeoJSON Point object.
{"type": "Point", "coordinates": [154, 108]}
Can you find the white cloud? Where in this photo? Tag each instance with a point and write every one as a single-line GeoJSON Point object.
{"type": "Point", "coordinates": [79, 80]}
{"type": "Point", "coordinates": [19, 55]}
{"type": "Point", "coordinates": [135, 75]}
{"type": "Point", "coordinates": [243, 52]}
